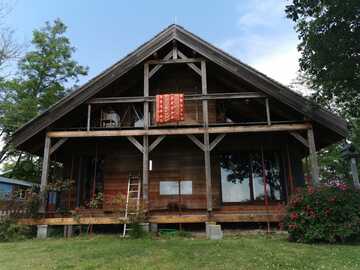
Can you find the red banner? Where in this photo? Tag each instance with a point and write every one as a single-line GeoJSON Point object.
{"type": "Point", "coordinates": [169, 108]}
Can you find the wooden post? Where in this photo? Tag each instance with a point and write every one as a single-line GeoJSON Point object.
{"type": "Point", "coordinates": [313, 157]}
{"type": "Point", "coordinates": [88, 117]}
{"type": "Point", "coordinates": [145, 170]}
{"type": "Point", "coordinates": [268, 119]}
{"type": "Point", "coordinates": [146, 138]}
{"type": "Point", "coordinates": [45, 173]}
{"type": "Point", "coordinates": [206, 138]}
{"type": "Point", "coordinates": [354, 173]}
{"type": "Point", "coordinates": [78, 184]}
{"type": "Point", "coordinates": [146, 94]}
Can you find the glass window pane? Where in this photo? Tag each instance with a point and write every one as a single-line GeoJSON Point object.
{"type": "Point", "coordinates": [169, 188]}
{"type": "Point", "coordinates": [235, 171]}
{"type": "Point", "coordinates": [186, 187]}
{"type": "Point", "coordinates": [272, 164]}
{"type": "Point", "coordinates": [272, 172]}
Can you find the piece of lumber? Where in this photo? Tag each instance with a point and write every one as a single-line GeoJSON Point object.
{"type": "Point", "coordinates": [157, 67]}
{"type": "Point", "coordinates": [136, 143]}
{"type": "Point", "coordinates": [174, 61]}
{"type": "Point", "coordinates": [168, 219]}
{"type": "Point", "coordinates": [300, 138]}
{"type": "Point", "coordinates": [178, 131]}
{"type": "Point", "coordinates": [88, 118]}
{"type": "Point", "coordinates": [196, 141]}
{"type": "Point", "coordinates": [57, 145]}
{"type": "Point", "coordinates": [313, 157]}
{"type": "Point", "coordinates": [191, 65]}
{"type": "Point", "coordinates": [216, 141]}
{"type": "Point", "coordinates": [156, 142]}
{"type": "Point", "coordinates": [212, 96]}
{"type": "Point", "coordinates": [268, 117]}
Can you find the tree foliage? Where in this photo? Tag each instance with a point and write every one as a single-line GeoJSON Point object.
{"type": "Point", "coordinates": [329, 31]}
{"type": "Point", "coordinates": [45, 74]}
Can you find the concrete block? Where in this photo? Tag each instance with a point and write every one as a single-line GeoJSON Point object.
{"type": "Point", "coordinates": [214, 232]}
{"type": "Point", "coordinates": [154, 227]}
{"type": "Point", "coordinates": [207, 224]}
{"type": "Point", "coordinates": [42, 231]}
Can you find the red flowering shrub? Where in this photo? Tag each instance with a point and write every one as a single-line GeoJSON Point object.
{"type": "Point", "coordinates": [330, 213]}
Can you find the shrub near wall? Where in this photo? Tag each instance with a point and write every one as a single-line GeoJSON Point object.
{"type": "Point", "coordinates": [329, 213]}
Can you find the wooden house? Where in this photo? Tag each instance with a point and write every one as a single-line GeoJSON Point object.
{"type": "Point", "coordinates": [244, 145]}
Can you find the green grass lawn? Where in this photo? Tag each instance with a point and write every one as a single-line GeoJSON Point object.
{"type": "Point", "coordinates": [111, 252]}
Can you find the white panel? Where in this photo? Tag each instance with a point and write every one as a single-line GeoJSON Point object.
{"type": "Point", "coordinates": [186, 187]}
{"type": "Point", "coordinates": [169, 188]}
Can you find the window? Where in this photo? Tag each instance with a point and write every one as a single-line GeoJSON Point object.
{"type": "Point", "coordinates": [242, 176]}
{"type": "Point", "coordinates": [176, 187]}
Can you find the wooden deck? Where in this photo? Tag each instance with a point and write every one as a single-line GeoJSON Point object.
{"type": "Point", "coordinates": [221, 216]}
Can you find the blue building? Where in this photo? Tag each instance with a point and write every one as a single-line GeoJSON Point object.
{"type": "Point", "coordinates": [8, 186]}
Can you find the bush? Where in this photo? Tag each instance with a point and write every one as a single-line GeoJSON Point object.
{"type": "Point", "coordinates": [11, 231]}
{"type": "Point", "coordinates": [136, 231]}
{"type": "Point", "coordinates": [330, 213]}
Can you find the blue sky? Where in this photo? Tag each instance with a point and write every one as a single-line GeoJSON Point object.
{"type": "Point", "coordinates": [255, 31]}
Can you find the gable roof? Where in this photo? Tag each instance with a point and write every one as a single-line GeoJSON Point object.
{"type": "Point", "coordinates": [216, 55]}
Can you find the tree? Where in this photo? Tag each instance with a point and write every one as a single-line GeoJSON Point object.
{"type": "Point", "coordinates": [46, 74]}
{"type": "Point", "coordinates": [329, 31]}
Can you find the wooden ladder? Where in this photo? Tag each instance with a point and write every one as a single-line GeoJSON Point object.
{"type": "Point", "coordinates": [133, 195]}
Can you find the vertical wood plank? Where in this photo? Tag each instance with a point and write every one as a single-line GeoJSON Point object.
{"type": "Point", "coordinates": [268, 118]}
{"type": "Point", "coordinates": [174, 53]}
{"type": "Point", "coordinates": [146, 170]}
{"type": "Point", "coordinates": [78, 183]}
{"type": "Point", "coordinates": [146, 94]}
{"type": "Point", "coordinates": [313, 157]}
{"type": "Point", "coordinates": [208, 172]}
{"type": "Point", "coordinates": [206, 138]}
{"type": "Point", "coordinates": [146, 139]}
{"type": "Point", "coordinates": [88, 118]}
{"type": "Point", "coordinates": [45, 173]}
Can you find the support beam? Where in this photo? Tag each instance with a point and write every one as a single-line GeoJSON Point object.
{"type": "Point", "coordinates": [45, 173]}
{"type": "Point", "coordinates": [196, 141]}
{"type": "Point", "coordinates": [191, 65]}
{"type": "Point", "coordinates": [208, 172]}
{"type": "Point", "coordinates": [300, 138]}
{"type": "Point", "coordinates": [146, 170]}
{"type": "Point", "coordinates": [217, 140]}
{"type": "Point", "coordinates": [213, 96]}
{"type": "Point", "coordinates": [174, 61]}
{"type": "Point", "coordinates": [156, 142]}
{"type": "Point", "coordinates": [156, 68]}
{"type": "Point", "coordinates": [136, 143]}
{"type": "Point", "coordinates": [268, 118]}
{"type": "Point", "coordinates": [313, 157]}
{"type": "Point", "coordinates": [179, 131]}
{"type": "Point", "coordinates": [146, 94]}
{"type": "Point", "coordinates": [146, 139]}
{"type": "Point", "coordinates": [88, 118]}
{"type": "Point", "coordinates": [175, 53]}
{"type": "Point", "coordinates": [205, 111]}
{"type": "Point", "coordinates": [57, 145]}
